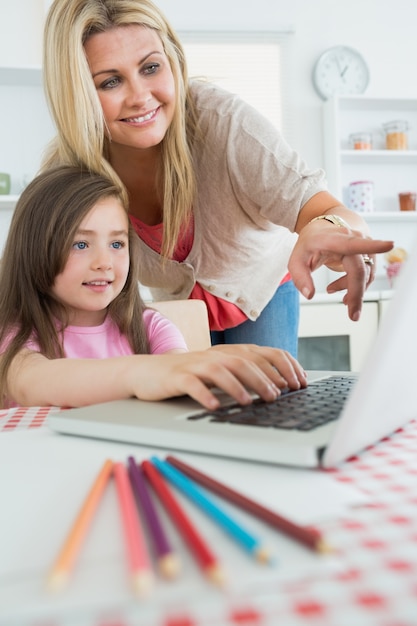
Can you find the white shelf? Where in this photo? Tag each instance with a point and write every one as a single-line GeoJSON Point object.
{"type": "Point", "coordinates": [8, 202]}
{"type": "Point", "coordinates": [396, 217]}
{"type": "Point", "coordinates": [393, 157]}
{"type": "Point", "coordinates": [361, 103]}
{"type": "Point", "coordinates": [23, 143]}
{"type": "Point", "coordinates": [391, 171]}
{"type": "Point", "coordinates": [26, 76]}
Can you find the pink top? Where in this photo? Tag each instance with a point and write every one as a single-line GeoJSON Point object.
{"type": "Point", "coordinates": [106, 340]}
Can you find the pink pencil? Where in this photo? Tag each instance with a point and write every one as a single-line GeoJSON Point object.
{"type": "Point", "coordinates": [142, 575]}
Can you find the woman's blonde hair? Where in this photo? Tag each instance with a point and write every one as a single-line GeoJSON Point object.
{"type": "Point", "coordinates": [40, 238]}
{"type": "Point", "coordinates": [76, 109]}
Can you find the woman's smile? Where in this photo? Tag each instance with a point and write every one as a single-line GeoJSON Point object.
{"type": "Point", "coordinates": [142, 118]}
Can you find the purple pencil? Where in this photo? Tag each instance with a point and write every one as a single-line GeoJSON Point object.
{"type": "Point", "coordinates": [168, 563]}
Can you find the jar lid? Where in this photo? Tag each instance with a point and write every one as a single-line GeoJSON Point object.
{"type": "Point", "coordinates": [396, 126]}
{"type": "Point", "coordinates": [360, 134]}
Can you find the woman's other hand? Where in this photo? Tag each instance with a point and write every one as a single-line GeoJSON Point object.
{"type": "Point", "coordinates": [343, 248]}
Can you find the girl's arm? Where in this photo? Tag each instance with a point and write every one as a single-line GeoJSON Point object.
{"type": "Point", "coordinates": [34, 380]}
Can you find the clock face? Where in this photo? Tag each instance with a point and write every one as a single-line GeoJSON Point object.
{"type": "Point", "coordinates": [340, 71]}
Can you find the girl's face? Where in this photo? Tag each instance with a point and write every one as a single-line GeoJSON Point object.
{"type": "Point", "coordinates": [98, 264]}
{"type": "Point", "coordinates": [134, 83]}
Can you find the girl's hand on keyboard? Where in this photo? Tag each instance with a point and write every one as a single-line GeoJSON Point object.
{"type": "Point", "coordinates": [239, 370]}
{"type": "Point", "coordinates": [278, 365]}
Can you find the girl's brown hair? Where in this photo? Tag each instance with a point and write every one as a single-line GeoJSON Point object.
{"type": "Point", "coordinates": [41, 234]}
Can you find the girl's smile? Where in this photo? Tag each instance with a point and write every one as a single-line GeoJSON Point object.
{"type": "Point", "coordinates": [98, 285]}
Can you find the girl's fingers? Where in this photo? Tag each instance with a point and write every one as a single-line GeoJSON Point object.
{"type": "Point", "coordinates": [233, 369]}
{"type": "Point", "coordinates": [234, 376]}
{"type": "Point", "coordinates": [278, 365]}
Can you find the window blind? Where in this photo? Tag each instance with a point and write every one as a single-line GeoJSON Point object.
{"type": "Point", "coordinates": [253, 65]}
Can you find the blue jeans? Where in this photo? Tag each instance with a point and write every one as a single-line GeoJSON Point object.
{"type": "Point", "coordinates": [277, 326]}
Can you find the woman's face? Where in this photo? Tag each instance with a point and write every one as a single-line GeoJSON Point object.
{"type": "Point", "coordinates": [134, 83]}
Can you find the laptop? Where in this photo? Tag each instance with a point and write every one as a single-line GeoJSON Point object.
{"type": "Point", "coordinates": [375, 403]}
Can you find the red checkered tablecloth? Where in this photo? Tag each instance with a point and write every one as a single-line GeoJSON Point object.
{"type": "Point", "coordinates": [19, 418]}
{"type": "Point", "coordinates": [376, 545]}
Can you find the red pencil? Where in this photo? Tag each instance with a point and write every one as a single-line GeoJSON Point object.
{"type": "Point", "coordinates": [199, 548]}
{"type": "Point", "coordinates": [308, 536]}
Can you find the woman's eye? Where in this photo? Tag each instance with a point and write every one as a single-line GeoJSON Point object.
{"type": "Point", "coordinates": [118, 245]}
{"type": "Point", "coordinates": [79, 245]}
{"type": "Point", "coordinates": [110, 83]}
{"type": "Point", "coordinates": [151, 68]}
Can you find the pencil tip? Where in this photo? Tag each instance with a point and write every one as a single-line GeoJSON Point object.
{"type": "Point", "coordinates": [263, 556]}
{"type": "Point", "coordinates": [143, 583]}
{"type": "Point", "coordinates": [169, 566]}
{"type": "Point", "coordinates": [57, 581]}
{"type": "Point", "coordinates": [216, 575]}
{"type": "Point", "coordinates": [324, 547]}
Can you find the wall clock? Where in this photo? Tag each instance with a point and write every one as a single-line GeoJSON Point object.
{"type": "Point", "coordinates": [340, 70]}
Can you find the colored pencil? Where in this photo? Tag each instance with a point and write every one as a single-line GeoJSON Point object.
{"type": "Point", "coordinates": [64, 563]}
{"type": "Point", "coordinates": [198, 496]}
{"type": "Point", "coordinates": [307, 536]}
{"type": "Point", "coordinates": [168, 562]}
{"type": "Point", "coordinates": [142, 575]}
{"type": "Point", "coordinates": [198, 546]}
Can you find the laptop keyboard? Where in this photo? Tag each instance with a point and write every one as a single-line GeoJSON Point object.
{"type": "Point", "coordinates": [305, 409]}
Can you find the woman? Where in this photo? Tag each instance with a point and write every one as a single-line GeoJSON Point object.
{"type": "Point", "coordinates": [215, 194]}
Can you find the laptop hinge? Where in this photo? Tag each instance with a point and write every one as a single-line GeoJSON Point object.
{"type": "Point", "coordinates": [320, 454]}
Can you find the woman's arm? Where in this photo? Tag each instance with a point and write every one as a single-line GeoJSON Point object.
{"type": "Point", "coordinates": [34, 380]}
{"type": "Point", "coordinates": [323, 202]}
{"type": "Point", "coordinates": [341, 248]}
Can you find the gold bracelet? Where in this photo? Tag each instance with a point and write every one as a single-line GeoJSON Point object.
{"type": "Point", "coordinates": [334, 219]}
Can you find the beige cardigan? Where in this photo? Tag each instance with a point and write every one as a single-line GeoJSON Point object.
{"type": "Point", "coordinates": [251, 186]}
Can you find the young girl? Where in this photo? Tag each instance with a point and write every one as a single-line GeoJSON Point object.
{"type": "Point", "coordinates": [73, 327]}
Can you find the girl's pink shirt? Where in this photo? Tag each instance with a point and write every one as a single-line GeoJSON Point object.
{"type": "Point", "coordinates": [106, 340]}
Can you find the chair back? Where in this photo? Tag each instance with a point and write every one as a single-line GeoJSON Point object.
{"type": "Point", "coordinates": [190, 316]}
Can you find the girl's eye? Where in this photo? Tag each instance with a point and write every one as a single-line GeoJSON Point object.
{"type": "Point", "coordinates": [118, 245]}
{"type": "Point", "coordinates": [79, 245]}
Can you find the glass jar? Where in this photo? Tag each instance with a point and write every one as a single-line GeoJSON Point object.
{"type": "Point", "coordinates": [407, 200]}
{"type": "Point", "coordinates": [396, 135]}
{"type": "Point", "coordinates": [360, 141]}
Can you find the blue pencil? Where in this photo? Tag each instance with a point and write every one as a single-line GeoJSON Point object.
{"type": "Point", "coordinates": [197, 495]}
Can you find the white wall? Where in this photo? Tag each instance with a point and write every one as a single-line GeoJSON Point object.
{"type": "Point", "coordinates": [21, 32]}
{"type": "Point", "coordinates": [383, 30]}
